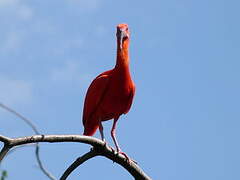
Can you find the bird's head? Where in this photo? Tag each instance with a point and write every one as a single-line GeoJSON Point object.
{"type": "Point", "coordinates": [123, 34]}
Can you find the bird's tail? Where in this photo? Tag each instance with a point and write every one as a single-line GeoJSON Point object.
{"type": "Point", "coordinates": [90, 129]}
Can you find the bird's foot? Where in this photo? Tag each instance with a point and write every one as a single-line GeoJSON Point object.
{"type": "Point", "coordinates": [105, 145]}
{"type": "Point", "coordinates": [128, 159]}
{"type": "Point", "coordinates": [125, 155]}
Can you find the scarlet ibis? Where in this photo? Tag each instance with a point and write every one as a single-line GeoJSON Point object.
{"type": "Point", "coordinates": [111, 93]}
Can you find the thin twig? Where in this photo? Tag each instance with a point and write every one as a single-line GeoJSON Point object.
{"type": "Point", "coordinates": [49, 175]}
{"type": "Point", "coordinates": [27, 121]}
{"type": "Point", "coordinates": [34, 128]}
{"type": "Point", "coordinates": [78, 162]}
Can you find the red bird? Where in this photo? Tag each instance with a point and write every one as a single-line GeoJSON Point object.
{"type": "Point", "coordinates": [111, 93]}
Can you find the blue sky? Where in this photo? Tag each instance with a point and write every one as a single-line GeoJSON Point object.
{"type": "Point", "coordinates": [184, 123]}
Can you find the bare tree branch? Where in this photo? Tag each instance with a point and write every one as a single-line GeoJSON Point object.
{"type": "Point", "coordinates": [78, 162]}
{"type": "Point", "coordinates": [34, 128]}
{"type": "Point", "coordinates": [5, 148]}
{"type": "Point", "coordinates": [99, 146]}
{"type": "Point", "coordinates": [3, 152]}
{"type": "Point", "coordinates": [5, 140]}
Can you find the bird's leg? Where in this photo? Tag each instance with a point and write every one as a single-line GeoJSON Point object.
{"type": "Point", "coordinates": [102, 134]}
{"type": "Point", "coordinates": [101, 131]}
{"type": "Point", "coordinates": [113, 134]}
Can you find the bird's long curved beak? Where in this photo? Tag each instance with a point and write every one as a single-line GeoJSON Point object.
{"type": "Point", "coordinates": [122, 35]}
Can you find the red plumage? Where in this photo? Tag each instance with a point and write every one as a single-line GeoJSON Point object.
{"type": "Point", "coordinates": [111, 93]}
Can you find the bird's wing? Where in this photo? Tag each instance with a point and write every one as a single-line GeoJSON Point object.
{"type": "Point", "coordinates": [130, 99]}
{"type": "Point", "coordinates": [95, 94]}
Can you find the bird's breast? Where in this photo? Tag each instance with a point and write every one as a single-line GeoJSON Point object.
{"type": "Point", "coordinates": [117, 97]}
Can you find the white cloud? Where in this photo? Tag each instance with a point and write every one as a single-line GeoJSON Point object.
{"type": "Point", "coordinates": [85, 4]}
{"type": "Point", "coordinates": [68, 44]}
{"type": "Point", "coordinates": [16, 9]}
{"type": "Point", "coordinates": [25, 12]}
{"type": "Point", "coordinates": [12, 15]}
{"type": "Point", "coordinates": [70, 72]}
{"type": "Point", "coordinates": [15, 91]}
{"type": "Point", "coordinates": [66, 73]}
{"type": "Point", "coordinates": [101, 31]}
{"type": "Point", "coordinates": [4, 3]}
{"type": "Point", "coordinates": [12, 41]}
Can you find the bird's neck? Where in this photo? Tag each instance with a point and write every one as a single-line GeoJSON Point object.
{"type": "Point", "coordinates": [122, 55]}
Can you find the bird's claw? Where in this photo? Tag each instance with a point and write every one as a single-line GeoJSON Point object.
{"type": "Point", "coordinates": [125, 155]}
{"type": "Point", "coordinates": [128, 159]}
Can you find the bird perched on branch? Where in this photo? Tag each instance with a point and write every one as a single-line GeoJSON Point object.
{"type": "Point", "coordinates": [111, 93]}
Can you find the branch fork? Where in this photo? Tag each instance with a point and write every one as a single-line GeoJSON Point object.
{"type": "Point", "coordinates": [99, 149]}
